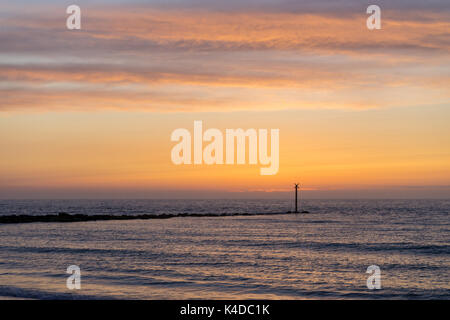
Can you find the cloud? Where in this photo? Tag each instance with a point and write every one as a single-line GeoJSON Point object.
{"type": "Point", "coordinates": [230, 56]}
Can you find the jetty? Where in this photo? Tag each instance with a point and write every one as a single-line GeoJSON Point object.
{"type": "Point", "coordinates": [65, 217]}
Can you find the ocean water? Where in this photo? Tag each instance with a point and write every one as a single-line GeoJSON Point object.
{"type": "Point", "coordinates": [321, 255]}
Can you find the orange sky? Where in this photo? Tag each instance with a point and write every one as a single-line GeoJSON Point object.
{"type": "Point", "coordinates": [361, 113]}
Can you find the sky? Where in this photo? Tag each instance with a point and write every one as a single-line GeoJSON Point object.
{"type": "Point", "coordinates": [89, 113]}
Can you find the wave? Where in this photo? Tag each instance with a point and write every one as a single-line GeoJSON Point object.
{"type": "Point", "coordinates": [12, 292]}
{"type": "Point", "coordinates": [370, 247]}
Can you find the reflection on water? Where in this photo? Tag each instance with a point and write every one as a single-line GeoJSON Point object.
{"type": "Point", "coordinates": [320, 255]}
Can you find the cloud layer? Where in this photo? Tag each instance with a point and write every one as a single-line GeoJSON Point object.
{"type": "Point", "coordinates": [211, 56]}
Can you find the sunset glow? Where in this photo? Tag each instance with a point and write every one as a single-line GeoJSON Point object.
{"type": "Point", "coordinates": [89, 113]}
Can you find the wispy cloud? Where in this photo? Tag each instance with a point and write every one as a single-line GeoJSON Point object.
{"type": "Point", "coordinates": [204, 56]}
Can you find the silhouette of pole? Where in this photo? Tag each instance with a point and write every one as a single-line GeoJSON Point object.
{"type": "Point", "coordinates": [296, 190]}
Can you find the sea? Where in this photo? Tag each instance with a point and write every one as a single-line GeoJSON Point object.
{"type": "Point", "coordinates": [323, 254]}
